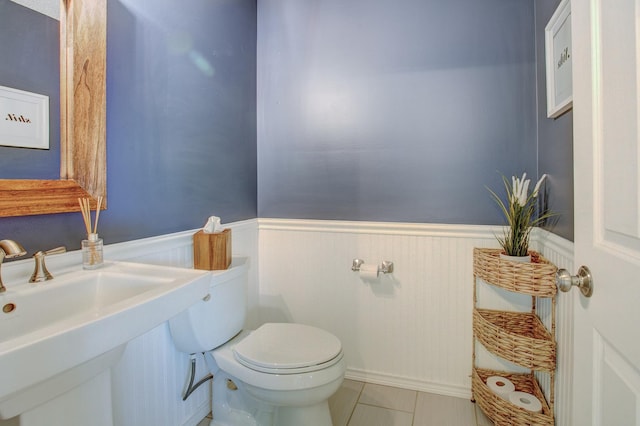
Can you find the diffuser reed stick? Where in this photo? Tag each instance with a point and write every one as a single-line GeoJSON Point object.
{"type": "Point", "coordinates": [95, 225]}
{"type": "Point", "coordinates": [86, 213]}
{"type": "Point", "coordinates": [92, 246]}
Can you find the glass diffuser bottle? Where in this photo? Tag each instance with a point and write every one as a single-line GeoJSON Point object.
{"type": "Point", "coordinates": [92, 246]}
{"type": "Point", "coordinates": [92, 252]}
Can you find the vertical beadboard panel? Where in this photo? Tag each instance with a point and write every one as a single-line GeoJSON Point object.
{"type": "Point", "coordinates": [149, 380]}
{"type": "Point", "coordinates": [412, 329]}
{"type": "Point", "coordinates": [560, 252]}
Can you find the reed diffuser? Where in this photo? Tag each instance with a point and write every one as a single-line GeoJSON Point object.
{"type": "Point", "coordinates": [92, 246]}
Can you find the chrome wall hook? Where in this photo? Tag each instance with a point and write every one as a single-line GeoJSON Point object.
{"type": "Point", "coordinates": [386, 267]}
{"type": "Point", "coordinates": [357, 263]}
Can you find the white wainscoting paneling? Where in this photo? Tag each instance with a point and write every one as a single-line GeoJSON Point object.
{"type": "Point", "coordinates": [412, 329]}
{"type": "Point", "coordinates": [149, 380]}
{"type": "Point", "coordinates": [560, 252]}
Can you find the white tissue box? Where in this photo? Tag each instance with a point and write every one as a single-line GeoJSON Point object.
{"type": "Point", "coordinates": [212, 251]}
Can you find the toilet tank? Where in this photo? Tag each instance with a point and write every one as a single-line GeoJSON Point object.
{"type": "Point", "coordinates": [218, 317]}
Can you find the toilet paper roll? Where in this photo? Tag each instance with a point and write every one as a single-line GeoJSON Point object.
{"type": "Point", "coordinates": [525, 400]}
{"type": "Point", "coordinates": [501, 386]}
{"type": "Point", "coordinates": [369, 272]}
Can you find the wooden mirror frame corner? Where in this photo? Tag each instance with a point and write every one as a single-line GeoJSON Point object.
{"type": "Point", "coordinates": [83, 171]}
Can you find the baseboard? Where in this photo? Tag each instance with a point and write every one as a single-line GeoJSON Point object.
{"type": "Point", "coordinates": [198, 415]}
{"type": "Point", "coordinates": [408, 383]}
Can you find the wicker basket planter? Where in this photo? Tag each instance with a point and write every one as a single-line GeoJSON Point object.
{"type": "Point", "coordinates": [516, 336]}
{"type": "Point", "coordinates": [504, 413]}
{"type": "Point", "coordinates": [536, 278]}
{"type": "Point", "coordinates": [519, 337]}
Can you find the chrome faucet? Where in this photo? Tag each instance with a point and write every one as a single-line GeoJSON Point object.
{"type": "Point", "coordinates": [9, 249]}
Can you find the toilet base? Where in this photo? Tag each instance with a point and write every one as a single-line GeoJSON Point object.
{"type": "Point", "coordinates": [236, 407]}
{"type": "Point", "coordinates": [314, 415]}
{"type": "Point", "coordinates": [240, 420]}
{"type": "Point", "coordinates": [232, 407]}
{"type": "Point", "coordinates": [317, 415]}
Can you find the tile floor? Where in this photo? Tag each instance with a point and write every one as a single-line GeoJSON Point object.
{"type": "Point", "coordinates": [365, 404]}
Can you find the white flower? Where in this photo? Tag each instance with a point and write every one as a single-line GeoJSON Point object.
{"type": "Point", "coordinates": [520, 189]}
{"type": "Point", "coordinates": [537, 188]}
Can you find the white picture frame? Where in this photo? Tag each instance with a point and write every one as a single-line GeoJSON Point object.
{"type": "Point", "coordinates": [558, 55]}
{"type": "Point", "coordinates": [24, 119]}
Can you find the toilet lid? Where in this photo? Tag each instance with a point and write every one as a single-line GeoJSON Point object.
{"type": "Point", "coordinates": [287, 346]}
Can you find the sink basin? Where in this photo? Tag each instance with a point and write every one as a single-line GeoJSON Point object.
{"type": "Point", "coordinates": [55, 335]}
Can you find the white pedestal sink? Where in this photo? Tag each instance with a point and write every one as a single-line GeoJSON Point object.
{"type": "Point", "coordinates": [58, 339]}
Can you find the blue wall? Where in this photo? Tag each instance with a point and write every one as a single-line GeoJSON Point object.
{"type": "Point", "coordinates": [393, 110]}
{"type": "Point", "coordinates": [555, 136]}
{"type": "Point", "coordinates": [181, 141]}
{"type": "Point", "coordinates": [181, 115]}
{"type": "Point", "coordinates": [30, 61]}
{"type": "Point", "coordinates": [386, 110]}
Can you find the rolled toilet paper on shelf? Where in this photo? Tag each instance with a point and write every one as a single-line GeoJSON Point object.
{"type": "Point", "coordinates": [369, 272]}
{"type": "Point", "coordinates": [526, 400]}
{"type": "Point", "coordinates": [501, 386]}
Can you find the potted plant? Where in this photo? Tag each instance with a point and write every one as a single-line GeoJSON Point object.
{"type": "Point", "coordinates": [522, 215]}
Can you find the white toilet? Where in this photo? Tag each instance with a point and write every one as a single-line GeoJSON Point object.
{"type": "Point", "coordinates": [279, 374]}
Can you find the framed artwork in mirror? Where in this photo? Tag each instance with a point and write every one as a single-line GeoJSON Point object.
{"type": "Point", "coordinates": [24, 119]}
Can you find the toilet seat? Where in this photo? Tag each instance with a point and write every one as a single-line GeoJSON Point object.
{"type": "Point", "coordinates": [284, 348]}
{"type": "Point", "coordinates": [275, 380]}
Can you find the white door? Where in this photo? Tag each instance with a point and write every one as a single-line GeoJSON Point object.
{"type": "Point", "coordinates": [606, 77]}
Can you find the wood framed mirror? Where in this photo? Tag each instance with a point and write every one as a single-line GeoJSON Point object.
{"type": "Point", "coordinates": [83, 171]}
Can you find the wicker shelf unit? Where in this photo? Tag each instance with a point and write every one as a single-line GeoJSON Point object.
{"type": "Point", "coordinates": [519, 337]}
